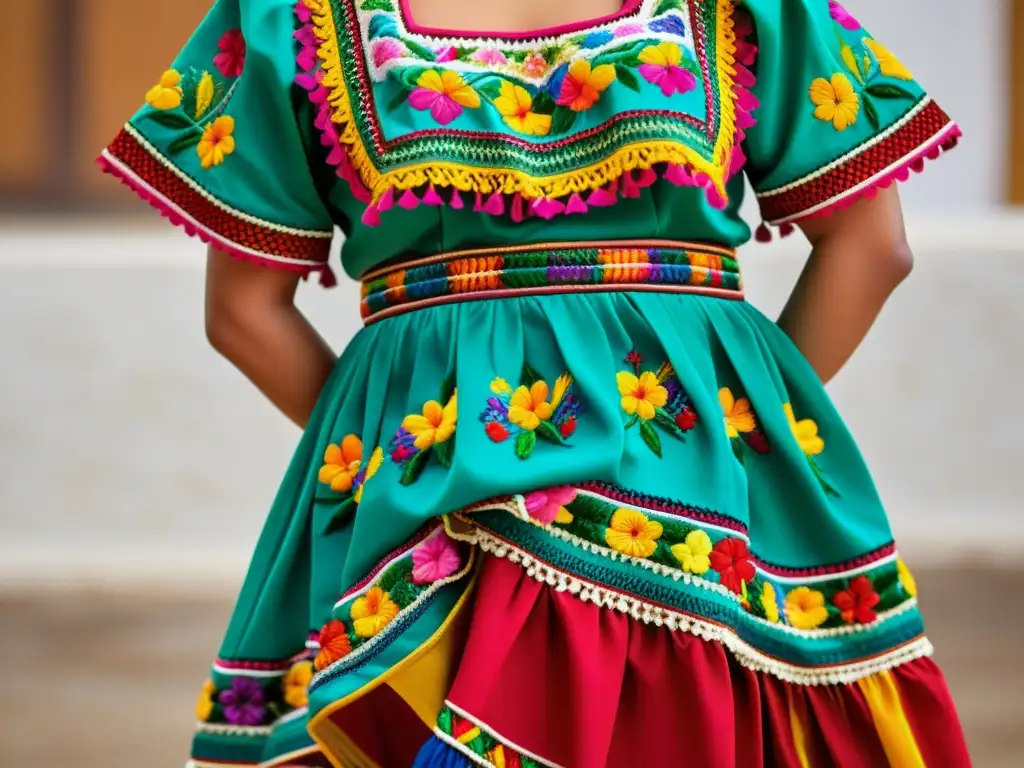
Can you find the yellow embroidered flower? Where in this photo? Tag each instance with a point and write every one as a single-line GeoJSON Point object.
{"type": "Point", "coordinates": [516, 105]}
{"type": "Point", "coordinates": [167, 93]}
{"type": "Point", "coordinates": [835, 101]}
{"type": "Point", "coordinates": [805, 608]}
{"type": "Point", "coordinates": [296, 684]}
{"type": "Point", "coordinates": [631, 533]}
{"type": "Point", "coordinates": [372, 612]}
{"type": "Point", "coordinates": [529, 407]}
{"type": "Point", "coordinates": [444, 94]}
{"type": "Point", "coordinates": [204, 705]}
{"type": "Point", "coordinates": [641, 395]}
{"type": "Point", "coordinates": [906, 578]}
{"type": "Point", "coordinates": [694, 554]}
{"type": "Point", "coordinates": [500, 387]}
{"type": "Point", "coordinates": [805, 431]}
{"type": "Point", "coordinates": [739, 416]}
{"type": "Point", "coordinates": [435, 425]}
{"type": "Point", "coordinates": [341, 464]}
{"type": "Point", "coordinates": [374, 464]}
{"type": "Point", "coordinates": [887, 62]}
{"type": "Point", "coordinates": [850, 60]}
{"type": "Point", "coordinates": [770, 603]}
{"type": "Point", "coordinates": [217, 142]}
{"type": "Point", "coordinates": [204, 94]}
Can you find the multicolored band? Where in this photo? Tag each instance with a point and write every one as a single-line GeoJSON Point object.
{"type": "Point", "coordinates": [648, 265]}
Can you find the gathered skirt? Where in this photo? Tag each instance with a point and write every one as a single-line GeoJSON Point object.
{"type": "Point", "coordinates": [592, 530]}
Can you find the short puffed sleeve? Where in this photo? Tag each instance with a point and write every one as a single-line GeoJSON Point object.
{"type": "Point", "coordinates": [838, 116]}
{"type": "Point", "coordinates": [219, 146]}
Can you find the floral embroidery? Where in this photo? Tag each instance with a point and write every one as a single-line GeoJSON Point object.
{"type": "Point", "coordinates": [731, 559]}
{"type": "Point", "coordinates": [694, 553]}
{"type": "Point", "coordinates": [857, 604]}
{"type": "Point", "coordinates": [835, 101]}
{"type": "Point", "coordinates": [166, 94]}
{"type": "Point", "coordinates": [217, 142]}
{"type": "Point", "coordinates": [887, 62]}
{"type": "Point", "coordinates": [582, 86]}
{"type": "Point", "coordinates": [437, 558]}
{"type": "Point", "coordinates": [527, 414]}
{"type": "Point", "coordinates": [535, 65]}
{"type": "Point", "coordinates": [741, 424]}
{"type": "Point", "coordinates": [334, 644]}
{"type": "Point", "coordinates": [343, 470]}
{"type": "Point", "coordinates": [204, 94]}
{"type": "Point", "coordinates": [296, 684]}
{"type": "Point", "coordinates": [548, 506]}
{"type": "Point", "coordinates": [244, 702]}
{"type": "Point", "coordinates": [655, 399]}
{"type": "Point", "coordinates": [516, 105]}
{"type": "Point", "coordinates": [632, 533]}
{"type": "Point", "coordinates": [372, 612]}
{"type": "Point", "coordinates": [386, 49]}
{"type": "Point", "coordinates": [805, 608]}
{"type": "Point", "coordinates": [426, 434]}
{"type": "Point", "coordinates": [661, 66]}
{"type": "Point", "coordinates": [231, 59]}
{"type": "Point", "coordinates": [204, 705]}
{"type": "Point", "coordinates": [444, 93]}
{"type": "Point", "coordinates": [843, 17]}
{"type": "Point", "coordinates": [906, 578]}
{"type": "Point", "coordinates": [488, 750]}
{"type": "Point", "coordinates": [805, 432]}
{"type": "Point", "coordinates": [769, 602]}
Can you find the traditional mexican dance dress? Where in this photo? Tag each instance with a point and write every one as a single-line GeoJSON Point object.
{"type": "Point", "coordinates": [567, 499]}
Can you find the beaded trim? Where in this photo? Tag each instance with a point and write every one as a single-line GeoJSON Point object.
{"type": "Point", "coordinates": [142, 167]}
{"type": "Point", "coordinates": [550, 268]}
{"type": "Point", "coordinates": [745, 654]}
{"type": "Point", "coordinates": [923, 133]}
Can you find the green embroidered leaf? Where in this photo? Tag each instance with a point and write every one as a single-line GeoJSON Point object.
{"type": "Point", "coordinates": [410, 75]}
{"type": "Point", "coordinates": [587, 508]}
{"type": "Point", "coordinates": [418, 50]}
{"type": "Point", "coordinates": [650, 437]}
{"type": "Point", "coordinates": [525, 443]}
{"type": "Point", "coordinates": [737, 448]}
{"type": "Point", "coordinates": [674, 532]}
{"type": "Point", "coordinates": [828, 489]}
{"type": "Point", "coordinates": [340, 517]}
{"type": "Point", "coordinates": [588, 531]}
{"type": "Point", "coordinates": [692, 67]}
{"type": "Point", "coordinates": [464, 53]}
{"type": "Point", "coordinates": [632, 420]}
{"type": "Point", "coordinates": [186, 140]}
{"type": "Point", "coordinates": [888, 92]}
{"type": "Point", "coordinates": [173, 119]}
{"type": "Point", "coordinates": [490, 90]}
{"type": "Point", "coordinates": [549, 432]}
{"type": "Point", "coordinates": [544, 103]}
{"type": "Point", "coordinates": [527, 762]}
{"type": "Point", "coordinates": [398, 100]}
{"type": "Point", "coordinates": [871, 113]}
{"type": "Point", "coordinates": [444, 721]}
{"type": "Point", "coordinates": [665, 6]}
{"type": "Point", "coordinates": [562, 119]}
{"type": "Point", "coordinates": [377, 5]}
{"type": "Point", "coordinates": [666, 422]}
{"type": "Point", "coordinates": [414, 467]}
{"type": "Point", "coordinates": [627, 78]}
{"type": "Point", "coordinates": [663, 554]}
{"type": "Point", "coordinates": [404, 594]}
{"type": "Point", "coordinates": [530, 375]}
{"type": "Point", "coordinates": [400, 571]}
{"type": "Point", "coordinates": [443, 452]}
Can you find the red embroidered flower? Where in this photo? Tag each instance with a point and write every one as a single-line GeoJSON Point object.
{"type": "Point", "coordinates": [758, 442]}
{"type": "Point", "coordinates": [686, 419]}
{"type": "Point", "coordinates": [857, 604]}
{"type": "Point", "coordinates": [496, 431]}
{"type": "Point", "coordinates": [568, 427]}
{"type": "Point", "coordinates": [731, 559]}
{"type": "Point", "coordinates": [634, 358]}
{"type": "Point", "coordinates": [231, 59]}
{"type": "Point", "coordinates": [334, 644]}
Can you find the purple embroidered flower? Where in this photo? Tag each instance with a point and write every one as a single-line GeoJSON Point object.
{"type": "Point", "coordinates": [434, 559]}
{"type": "Point", "coordinates": [386, 49]}
{"type": "Point", "coordinates": [842, 17]}
{"type": "Point", "coordinates": [243, 702]}
{"type": "Point", "coordinates": [496, 410]}
{"type": "Point", "coordinates": [630, 29]}
{"type": "Point", "coordinates": [402, 446]}
{"type": "Point", "coordinates": [489, 56]}
{"type": "Point", "coordinates": [597, 39]}
{"type": "Point", "coordinates": [672, 25]}
{"type": "Point", "coordinates": [448, 53]}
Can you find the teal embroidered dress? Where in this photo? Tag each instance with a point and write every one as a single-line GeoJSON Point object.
{"type": "Point", "coordinates": [567, 500]}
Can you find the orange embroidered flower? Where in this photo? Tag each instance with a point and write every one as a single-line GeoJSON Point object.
{"type": "Point", "coordinates": [516, 106]}
{"type": "Point", "coordinates": [342, 463]}
{"type": "Point", "coordinates": [334, 644]}
{"type": "Point", "coordinates": [167, 93]}
{"type": "Point", "coordinates": [805, 608]}
{"type": "Point", "coordinates": [372, 612]}
{"type": "Point", "coordinates": [835, 101]}
{"type": "Point", "coordinates": [641, 395]}
{"type": "Point", "coordinates": [632, 533]}
{"type": "Point", "coordinates": [582, 85]}
{"type": "Point", "coordinates": [204, 705]}
{"type": "Point", "coordinates": [435, 425]}
{"type": "Point", "coordinates": [529, 406]}
{"type": "Point", "coordinates": [739, 416]}
{"type": "Point", "coordinates": [217, 142]}
{"type": "Point", "coordinates": [296, 684]}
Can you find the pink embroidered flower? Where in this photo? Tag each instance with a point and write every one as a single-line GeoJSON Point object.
{"type": "Point", "coordinates": [548, 506]}
{"type": "Point", "coordinates": [386, 49]}
{"type": "Point", "coordinates": [448, 53]}
{"type": "Point", "coordinates": [843, 17]}
{"type": "Point", "coordinates": [435, 559]}
{"type": "Point", "coordinates": [630, 29]}
{"type": "Point", "coordinates": [535, 65]}
{"type": "Point", "coordinates": [444, 93]}
{"type": "Point", "coordinates": [231, 59]}
{"type": "Point", "coordinates": [660, 65]}
{"type": "Point", "coordinates": [490, 56]}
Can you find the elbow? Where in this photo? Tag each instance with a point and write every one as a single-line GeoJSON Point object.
{"type": "Point", "coordinates": [897, 262]}
{"type": "Point", "coordinates": [225, 328]}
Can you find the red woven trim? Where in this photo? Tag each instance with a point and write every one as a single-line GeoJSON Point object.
{"type": "Point", "coordinates": [201, 216]}
{"type": "Point", "coordinates": [878, 165]}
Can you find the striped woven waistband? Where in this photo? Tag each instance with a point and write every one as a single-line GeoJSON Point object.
{"type": "Point", "coordinates": [649, 265]}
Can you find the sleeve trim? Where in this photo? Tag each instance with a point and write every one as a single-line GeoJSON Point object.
{"type": "Point", "coordinates": [924, 132]}
{"type": "Point", "coordinates": [154, 178]}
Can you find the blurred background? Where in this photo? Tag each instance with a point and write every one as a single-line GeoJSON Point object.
{"type": "Point", "coordinates": [136, 466]}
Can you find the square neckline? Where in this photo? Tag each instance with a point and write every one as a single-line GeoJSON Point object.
{"type": "Point", "coordinates": [629, 7]}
